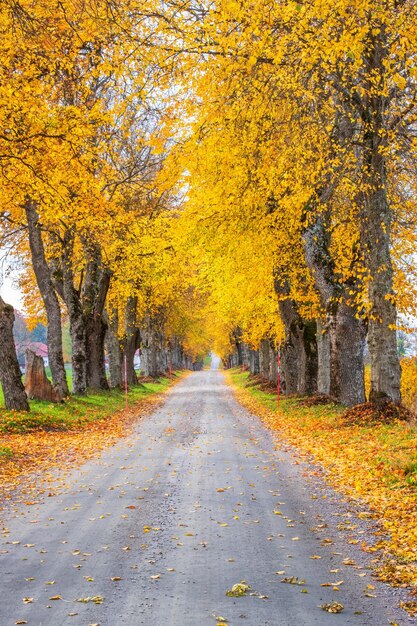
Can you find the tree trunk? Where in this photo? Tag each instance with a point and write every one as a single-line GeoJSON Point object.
{"type": "Point", "coordinates": [93, 298]}
{"type": "Point", "coordinates": [376, 227]}
{"type": "Point", "coordinates": [245, 355]}
{"type": "Point", "coordinates": [131, 341]}
{"type": "Point", "coordinates": [71, 297]}
{"type": "Point", "coordinates": [291, 358]}
{"type": "Point", "coordinates": [307, 383]}
{"type": "Point", "coordinates": [10, 375]}
{"type": "Point", "coordinates": [273, 364]}
{"type": "Point", "coordinates": [264, 358]}
{"type": "Point", "coordinates": [299, 352]}
{"type": "Point", "coordinates": [374, 109]}
{"type": "Point", "coordinates": [161, 354]}
{"type": "Point", "coordinates": [323, 358]}
{"type": "Point", "coordinates": [254, 361]}
{"type": "Point", "coordinates": [38, 386]}
{"type": "Point", "coordinates": [96, 371]}
{"type": "Point", "coordinates": [114, 352]}
{"type": "Point", "coordinates": [347, 344]}
{"type": "Point", "coordinates": [346, 332]}
{"type": "Point", "coordinates": [49, 297]}
{"type": "Point", "coordinates": [176, 354]}
{"type": "Point", "coordinates": [149, 352]}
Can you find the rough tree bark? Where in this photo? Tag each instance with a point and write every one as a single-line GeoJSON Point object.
{"type": "Point", "coordinates": [72, 300]}
{"type": "Point", "coordinates": [131, 341]}
{"type": "Point", "coordinates": [64, 280]}
{"type": "Point", "coordinates": [299, 352]}
{"type": "Point", "coordinates": [96, 334]}
{"type": "Point", "coordinates": [254, 361]}
{"type": "Point", "coordinates": [176, 354]}
{"type": "Point", "coordinates": [273, 364]}
{"type": "Point", "coordinates": [49, 297]}
{"type": "Point", "coordinates": [347, 331]}
{"type": "Point", "coordinates": [264, 349]}
{"type": "Point", "coordinates": [10, 375]}
{"type": "Point", "coordinates": [85, 305]}
{"type": "Point", "coordinates": [292, 347]}
{"type": "Point", "coordinates": [323, 358]}
{"type": "Point", "coordinates": [93, 297]}
{"type": "Point", "coordinates": [113, 348]}
{"type": "Point", "coordinates": [161, 353]}
{"type": "Point", "coordinates": [376, 218]}
{"type": "Point", "coordinates": [245, 355]}
{"type": "Point", "coordinates": [149, 365]}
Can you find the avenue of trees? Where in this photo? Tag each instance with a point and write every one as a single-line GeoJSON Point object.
{"type": "Point", "coordinates": [238, 175]}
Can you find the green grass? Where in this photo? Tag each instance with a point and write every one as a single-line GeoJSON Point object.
{"type": "Point", "coordinates": [289, 407]}
{"type": "Point", "coordinates": [76, 411]}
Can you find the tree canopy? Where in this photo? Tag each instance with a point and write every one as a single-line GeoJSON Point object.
{"type": "Point", "coordinates": [213, 176]}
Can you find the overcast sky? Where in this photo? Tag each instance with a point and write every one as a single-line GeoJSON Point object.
{"type": "Point", "coordinates": [9, 293]}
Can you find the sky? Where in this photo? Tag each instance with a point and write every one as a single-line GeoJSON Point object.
{"type": "Point", "coordinates": [9, 293]}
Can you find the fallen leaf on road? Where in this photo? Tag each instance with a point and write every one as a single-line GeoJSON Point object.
{"type": "Point", "coordinates": [95, 599]}
{"type": "Point", "coordinates": [333, 607]}
{"type": "Point", "coordinates": [410, 607]}
{"type": "Point", "coordinates": [238, 590]}
{"type": "Point", "coordinates": [56, 598]}
{"type": "Point", "coordinates": [294, 580]}
{"type": "Point", "coordinates": [116, 578]}
{"type": "Point", "coordinates": [27, 600]}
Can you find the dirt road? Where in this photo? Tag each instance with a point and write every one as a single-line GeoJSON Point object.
{"type": "Point", "coordinates": [164, 523]}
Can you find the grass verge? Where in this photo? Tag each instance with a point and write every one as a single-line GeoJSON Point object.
{"type": "Point", "coordinates": [58, 436]}
{"type": "Point", "coordinates": [375, 463]}
{"type": "Point", "coordinates": [75, 412]}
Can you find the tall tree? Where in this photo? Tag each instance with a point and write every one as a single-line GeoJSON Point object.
{"type": "Point", "coordinates": [49, 297]}
{"type": "Point", "coordinates": [10, 375]}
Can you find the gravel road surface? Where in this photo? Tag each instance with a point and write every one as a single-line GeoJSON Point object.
{"type": "Point", "coordinates": [164, 523]}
